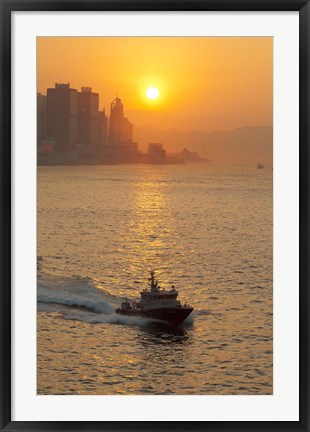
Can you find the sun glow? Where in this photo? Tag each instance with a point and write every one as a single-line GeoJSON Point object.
{"type": "Point", "coordinates": [152, 93]}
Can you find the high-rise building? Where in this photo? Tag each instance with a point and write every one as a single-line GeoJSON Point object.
{"type": "Point", "coordinates": [127, 132]}
{"type": "Point", "coordinates": [61, 117]}
{"type": "Point", "coordinates": [120, 131]}
{"type": "Point", "coordinates": [88, 120]}
{"type": "Point", "coordinates": [116, 120]}
{"type": "Point", "coordinates": [41, 118]}
{"type": "Point", "coordinates": [103, 129]}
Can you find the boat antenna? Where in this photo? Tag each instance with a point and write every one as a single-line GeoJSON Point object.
{"type": "Point", "coordinates": [152, 279]}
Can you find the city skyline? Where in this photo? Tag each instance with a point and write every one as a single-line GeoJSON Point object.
{"type": "Point", "coordinates": [71, 122]}
{"type": "Point", "coordinates": [204, 83]}
{"type": "Point", "coordinates": [71, 128]}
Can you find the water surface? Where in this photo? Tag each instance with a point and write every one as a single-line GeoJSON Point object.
{"type": "Point", "coordinates": [205, 228]}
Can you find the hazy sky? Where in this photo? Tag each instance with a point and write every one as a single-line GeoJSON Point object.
{"type": "Point", "coordinates": [204, 83]}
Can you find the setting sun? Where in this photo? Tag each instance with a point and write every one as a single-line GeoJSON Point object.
{"type": "Point", "coordinates": [152, 155]}
{"type": "Point", "coordinates": [152, 93]}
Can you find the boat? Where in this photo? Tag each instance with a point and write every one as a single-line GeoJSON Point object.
{"type": "Point", "coordinates": [260, 166]}
{"type": "Point", "coordinates": [157, 303]}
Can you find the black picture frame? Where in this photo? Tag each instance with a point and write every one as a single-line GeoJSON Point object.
{"type": "Point", "coordinates": [7, 7]}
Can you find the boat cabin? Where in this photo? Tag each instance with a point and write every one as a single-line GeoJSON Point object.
{"type": "Point", "coordinates": [159, 295]}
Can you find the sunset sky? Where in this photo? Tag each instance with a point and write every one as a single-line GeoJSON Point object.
{"type": "Point", "coordinates": [204, 83]}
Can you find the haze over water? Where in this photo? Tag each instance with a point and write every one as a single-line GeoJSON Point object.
{"type": "Point", "coordinates": [205, 228]}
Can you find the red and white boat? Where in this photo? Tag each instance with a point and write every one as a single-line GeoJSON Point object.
{"type": "Point", "coordinates": [157, 303]}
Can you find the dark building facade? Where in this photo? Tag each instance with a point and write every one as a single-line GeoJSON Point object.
{"type": "Point", "coordinates": [41, 118]}
{"type": "Point", "coordinates": [103, 129]}
{"type": "Point", "coordinates": [120, 130]}
{"type": "Point", "coordinates": [88, 121]}
{"type": "Point", "coordinates": [127, 132]}
{"type": "Point", "coordinates": [116, 120]}
{"type": "Point", "coordinates": [61, 117]}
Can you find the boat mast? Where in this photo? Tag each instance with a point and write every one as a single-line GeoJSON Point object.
{"type": "Point", "coordinates": [152, 279]}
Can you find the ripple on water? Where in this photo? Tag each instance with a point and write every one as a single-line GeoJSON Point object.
{"type": "Point", "coordinates": [206, 229]}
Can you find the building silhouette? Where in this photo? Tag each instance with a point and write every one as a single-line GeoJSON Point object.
{"type": "Point", "coordinates": [120, 130]}
{"type": "Point", "coordinates": [116, 119]}
{"type": "Point", "coordinates": [61, 117]}
{"type": "Point", "coordinates": [88, 121]}
{"type": "Point", "coordinates": [103, 130]}
{"type": "Point", "coordinates": [127, 132]}
{"type": "Point", "coordinates": [41, 118]}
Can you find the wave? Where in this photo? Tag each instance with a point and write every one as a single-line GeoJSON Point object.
{"type": "Point", "coordinates": [82, 299]}
{"type": "Point", "coordinates": [112, 318]}
{"type": "Point", "coordinates": [97, 307]}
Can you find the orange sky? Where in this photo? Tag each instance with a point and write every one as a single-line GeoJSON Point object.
{"type": "Point", "coordinates": [205, 83]}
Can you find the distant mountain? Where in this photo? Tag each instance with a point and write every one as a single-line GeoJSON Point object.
{"type": "Point", "coordinates": [244, 145]}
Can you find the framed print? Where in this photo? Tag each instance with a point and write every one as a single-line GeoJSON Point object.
{"type": "Point", "coordinates": [154, 215]}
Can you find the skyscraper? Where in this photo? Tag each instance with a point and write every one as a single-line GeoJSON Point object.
{"type": "Point", "coordinates": [88, 120]}
{"type": "Point", "coordinates": [120, 131]}
{"type": "Point", "coordinates": [103, 129]}
{"type": "Point", "coordinates": [127, 131]}
{"type": "Point", "coordinates": [61, 117]}
{"type": "Point", "coordinates": [41, 118]}
{"type": "Point", "coordinates": [116, 120]}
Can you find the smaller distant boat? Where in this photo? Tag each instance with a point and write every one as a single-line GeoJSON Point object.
{"type": "Point", "coordinates": [260, 166]}
{"type": "Point", "coordinates": [158, 304]}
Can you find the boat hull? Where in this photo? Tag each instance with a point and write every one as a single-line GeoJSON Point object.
{"type": "Point", "coordinates": [174, 316]}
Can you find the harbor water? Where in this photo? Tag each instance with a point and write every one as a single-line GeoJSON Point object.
{"type": "Point", "coordinates": [204, 228]}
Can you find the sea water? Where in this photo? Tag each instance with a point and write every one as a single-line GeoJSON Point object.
{"type": "Point", "coordinates": [204, 228]}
